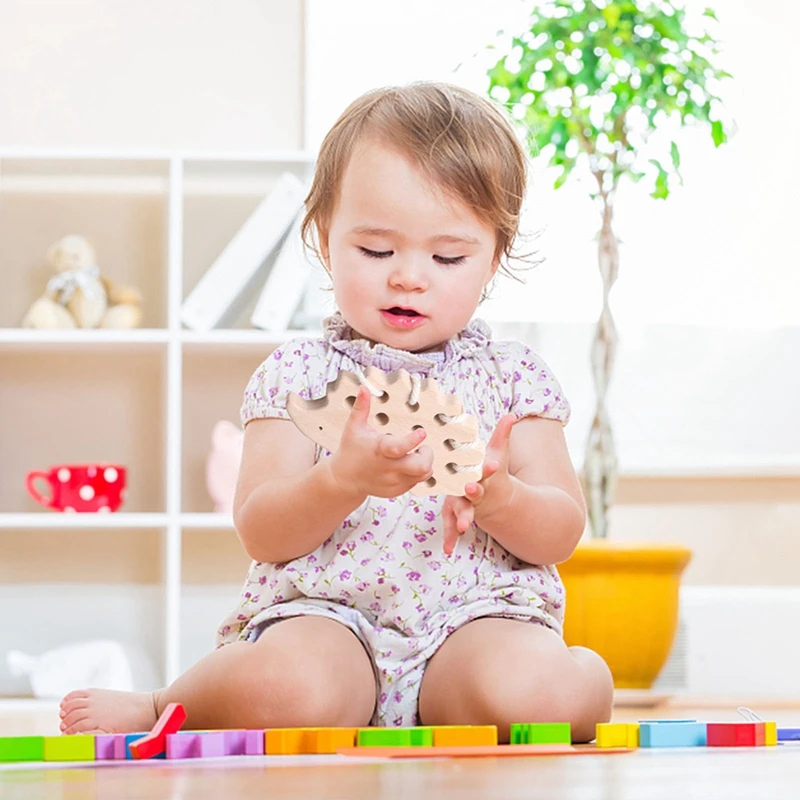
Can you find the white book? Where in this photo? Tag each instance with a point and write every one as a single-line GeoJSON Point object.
{"type": "Point", "coordinates": [286, 283]}
{"type": "Point", "coordinates": [239, 264]}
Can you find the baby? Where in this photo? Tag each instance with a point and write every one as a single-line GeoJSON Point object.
{"type": "Point", "coordinates": [366, 604]}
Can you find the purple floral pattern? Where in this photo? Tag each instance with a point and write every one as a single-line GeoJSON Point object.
{"type": "Point", "coordinates": [383, 572]}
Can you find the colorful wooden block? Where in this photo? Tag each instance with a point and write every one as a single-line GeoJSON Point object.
{"type": "Point", "coordinates": [209, 744]}
{"type": "Point", "coordinates": [784, 735]}
{"type": "Point", "coordinates": [243, 743]}
{"type": "Point", "coordinates": [736, 734]}
{"type": "Point", "coordinates": [329, 740]}
{"type": "Point", "coordinates": [464, 735]}
{"type": "Point", "coordinates": [289, 741]}
{"type": "Point", "coordinates": [541, 733]}
{"type": "Point", "coordinates": [154, 743]}
{"type": "Point", "coordinates": [770, 734]}
{"type": "Point", "coordinates": [68, 748]}
{"type": "Point", "coordinates": [617, 734]}
{"type": "Point", "coordinates": [421, 736]}
{"type": "Point", "coordinates": [107, 745]}
{"type": "Point", "coordinates": [674, 734]}
{"type": "Point", "coordinates": [385, 737]}
{"type": "Point", "coordinates": [22, 748]}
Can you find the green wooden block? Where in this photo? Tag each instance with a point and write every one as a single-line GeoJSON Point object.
{"type": "Point", "coordinates": [69, 748]}
{"type": "Point", "coordinates": [518, 733]}
{"type": "Point", "coordinates": [548, 733]}
{"type": "Point", "coordinates": [421, 737]}
{"type": "Point", "coordinates": [384, 737]}
{"type": "Point", "coordinates": [22, 748]}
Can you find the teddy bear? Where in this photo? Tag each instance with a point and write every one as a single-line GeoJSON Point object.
{"type": "Point", "coordinates": [77, 296]}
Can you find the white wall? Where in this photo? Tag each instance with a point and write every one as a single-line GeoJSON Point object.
{"type": "Point", "coordinates": [193, 74]}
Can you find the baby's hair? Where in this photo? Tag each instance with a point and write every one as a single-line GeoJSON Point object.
{"type": "Point", "coordinates": [461, 141]}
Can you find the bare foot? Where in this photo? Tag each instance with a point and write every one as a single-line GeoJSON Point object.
{"type": "Point", "coordinates": [108, 711]}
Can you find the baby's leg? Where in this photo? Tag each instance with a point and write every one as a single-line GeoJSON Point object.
{"type": "Point", "coordinates": [302, 672]}
{"type": "Point", "coordinates": [497, 671]}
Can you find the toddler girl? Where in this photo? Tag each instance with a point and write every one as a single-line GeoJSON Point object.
{"type": "Point", "coordinates": [366, 604]}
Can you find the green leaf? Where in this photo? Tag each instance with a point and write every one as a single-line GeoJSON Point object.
{"type": "Point", "coordinates": [676, 160]}
{"type": "Point", "coordinates": [661, 191]}
{"type": "Point", "coordinates": [709, 12]}
{"type": "Point", "coordinates": [718, 133]}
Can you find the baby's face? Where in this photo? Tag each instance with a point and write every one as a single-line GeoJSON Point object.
{"type": "Point", "coordinates": [408, 263]}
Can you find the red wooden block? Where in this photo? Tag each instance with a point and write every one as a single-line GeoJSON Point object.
{"type": "Point", "coordinates": [736, 734]}
{"type": "Point", "coordinates": [155, 743]}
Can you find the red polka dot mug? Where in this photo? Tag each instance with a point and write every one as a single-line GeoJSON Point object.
{"type": "Point", "coordinates": [80, 487]}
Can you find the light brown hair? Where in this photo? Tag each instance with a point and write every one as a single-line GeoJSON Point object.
{"type": "Point", "coordinates": [461, 141]}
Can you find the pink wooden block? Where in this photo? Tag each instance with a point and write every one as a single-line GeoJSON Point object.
{"type": "Point", "coordinates": [234, 742]}
{"type": "Point", "coordinates": [121, 747]}
{"type": "Point", "coordinates": [104, 746]}
{"type": "Point", "coordinates": [254, 743]}
{"type": "Point", "coordinates": [196, 745]}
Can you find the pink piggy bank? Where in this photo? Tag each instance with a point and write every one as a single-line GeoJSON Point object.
{"type": "Point", "coordinates": [222, 465]}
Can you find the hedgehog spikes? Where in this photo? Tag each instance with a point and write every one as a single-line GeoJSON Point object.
{"type": "Point", "coordinates": [451, 435]}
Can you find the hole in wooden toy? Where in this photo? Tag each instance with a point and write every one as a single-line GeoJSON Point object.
{"type": "Point", "coordinates": [451, 468]}
{"type": "Point", "coordinates": [351, 400]}
{"type": "Point", "coordinates": [383, 398]}
{"type": "Point", "coordinates": [441, 418]}
{"type": "Point", "coordinates": [431, 482]}
{"type": "Point", "coordinates": [450, 444]}
{"type": "Point", "coordinates": [413, 406]}
{"type": "Point", "coordinates": [381, 419]}
{"type": "Point", "coordinates": [417, 428]}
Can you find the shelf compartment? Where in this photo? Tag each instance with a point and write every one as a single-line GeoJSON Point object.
{"type": "Point", "coordinates": [119, 206]}
{"type": "Point", "coordinates": [79, 408]}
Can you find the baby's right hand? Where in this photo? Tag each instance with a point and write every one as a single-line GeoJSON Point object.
{"type": "Point", "coordinates": [372, 463]}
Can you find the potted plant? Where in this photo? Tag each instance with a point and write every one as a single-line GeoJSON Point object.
{"type": "Point", "coordinates": [601, 89]}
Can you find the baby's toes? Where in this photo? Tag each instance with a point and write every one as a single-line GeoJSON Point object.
{"type": "Point", "coordinates": [68, 706]}
{"type": "Point", "coordinates": [73, 719]}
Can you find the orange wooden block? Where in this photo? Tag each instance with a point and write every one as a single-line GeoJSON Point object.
{"type": "Point", "coordinates": [479, 751]}
{"type": "Point", "coordinates": [464, 735]}
{"type": "Point", "coordinates": [329, 740]}
{"type": "Point", "coordinates": [289, 741]}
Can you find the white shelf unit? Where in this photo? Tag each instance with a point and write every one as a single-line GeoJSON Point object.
{"type": "Point", "coordinates": [157, 219]}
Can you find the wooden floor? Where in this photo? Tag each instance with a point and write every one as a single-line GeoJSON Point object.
{"type": "Point", "coordinates": [768, 773]}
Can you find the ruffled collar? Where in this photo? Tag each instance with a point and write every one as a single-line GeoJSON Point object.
{"type": "Point", "coordinates": [339, 335]}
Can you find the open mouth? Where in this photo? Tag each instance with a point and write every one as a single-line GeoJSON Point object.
{"type": "Point", "coordinates": [402, 312]}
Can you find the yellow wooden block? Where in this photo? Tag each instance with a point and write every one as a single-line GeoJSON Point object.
{"type": "Point", "coordinates": [770, 733]}
{"type": "Point", "coordinates": [329, 740]}
{"type": "Point", "coordinates": [464, 735]}
{"type": "Point", "coordinates": [289, 741]}
{"type": "Point", "coordinates": [633, 734]}
{"type": "Point", "coordinates": [617, 734]}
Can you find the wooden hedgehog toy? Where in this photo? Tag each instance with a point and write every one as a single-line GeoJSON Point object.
{"type": "Point", "coordinates": [400, 403]}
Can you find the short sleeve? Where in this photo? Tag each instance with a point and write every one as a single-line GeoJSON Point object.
{"type": "Point", "coordinates": [290, 368]}
{"type": "Point", "coordinates": [535, 389]}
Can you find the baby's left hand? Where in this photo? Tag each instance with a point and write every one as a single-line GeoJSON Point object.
{"type": "Point", "coordinates": [492, 491]}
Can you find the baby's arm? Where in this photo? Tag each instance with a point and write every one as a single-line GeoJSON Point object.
{"type": "Point", "coordinates": [542, 513]}
{"type": "Point", "coordinates": [285, 504]}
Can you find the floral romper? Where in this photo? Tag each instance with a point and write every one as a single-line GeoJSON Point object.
{"type": "Point", "coordinates": [382, 572]}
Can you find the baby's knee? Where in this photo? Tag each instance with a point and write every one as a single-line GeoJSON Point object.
{"type": "Point", "coordinates": [288, 693]}
{"type": "Point", "coordinates": [579, 691]}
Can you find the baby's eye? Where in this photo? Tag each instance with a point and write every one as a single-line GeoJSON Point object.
{"type": "Point", "coordinates": [449, 259]}
{"type": "Point", "coordinates": [376, 253]}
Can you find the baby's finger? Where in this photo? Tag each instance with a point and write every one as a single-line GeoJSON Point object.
{"type": "Point", "coordinates": [474, 492]}
{"type": "Point", "coordinates": [450, 530]}
{"type": "Point", "coordinates": [399, 446]}
{"type": "Point", "coordinates": [464, 517]}
{"type": "Point", "coordinates": [359, 414]}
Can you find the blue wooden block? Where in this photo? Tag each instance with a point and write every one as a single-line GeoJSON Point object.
{"type": "Point", "coordinates": [679, 734]}
{"type": "Point", "coordinates": [789, 734]}
{"type": "Point", "coordinates": [665, 721]}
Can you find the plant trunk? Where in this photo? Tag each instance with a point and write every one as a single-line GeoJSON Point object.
{"type": "Point", "coordinates": [600, 465]}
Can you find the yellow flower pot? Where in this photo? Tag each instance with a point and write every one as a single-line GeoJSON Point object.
{"type": "Point", "coordinates": [622, 602]}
